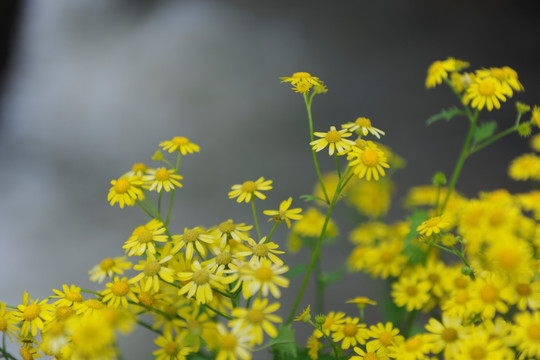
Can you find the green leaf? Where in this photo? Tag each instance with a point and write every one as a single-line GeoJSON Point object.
{"type": "Point", "coordinates": [484, 131]}
{"type": "Point", "coordinates": [296, 270]}
{"type": "Point", "coordinates": [284, 345]}
{"type": "Point", "coordinates": [415, 254]}
{"type": "Point", "coordinates": [311, 198]}
{"type": "Point", "coordinates": [447, 115]}
{"type": "Point", "coordinates": [333, 276]}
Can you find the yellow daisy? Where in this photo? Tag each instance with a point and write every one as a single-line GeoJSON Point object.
{"type": "Point", "coordinates": [91, 337]}
{"type": "Point", "coordinates": [125, 191]}
{"type": "Point", "coordinates": [526, 332]}
{"type": "Point", "coordinates": [171, 348]}
{"type": "Point", "coordinates": [8, 322]}
{"type": "Point", "coordinates": [368, 162]}
{"type": "Point", "coordinates": [507, 77]}
{"type": "Point", "coordinates": [371, 353]}
{"type": "Point", "coordinates": [69, 297]}
{"type": "Point", "coordinates": [445, 335]}
{"type": "Point", "coordinates": [200, 281]}
{"type": "Point", "coordinates": [411, 292]}
{"type": "Point", "coordinates": [350, 333]}
{"type": "Point", "coordinates": [158, 179]}
{"type": "Point", "coordinates": [312, 223]}
{"type": "Point", "coordinates": [302, 82]}
{"type": "Point", "coordinates": [384, 335]}
{"type": "Point", "coordinates": [143, 237]}
{"type": "Point", "coordinates": [284, 214]}
{"type": "Point", "coordinates": [193, 240]}
{"type": "Point", "coordinates": [485, 91]}
{"type": "Point", "coordinates": [266, 277]}
{"type": "Point", "coordinates": [249, 189]}
{"type": "Point", "coordinates": [138, 170]}
{"type": "Point", "coordinates": [34, 314]}
{"type": "Point", "coordinates": [364, 126]}
{"type": "Point", "coordinates": [305, 315]}
{"type": "Point", "coordinates": [525, 167]}
{"type": "Point", "coordinates": [480, 346]}
{"type": "Point", "coordinates": [117, 293]}
{"type": "Point", "coordinates": [154, 270]}
{"type": "Point", "coordinates": [262, 250]}
{"type": "Point", "coordinates": [433, 225]}
{"type": "Point", "coordinates": [228, 230]}
{"type": "Point", "coordinates": [108, 267]}
{"type": "Point", "coordinates": [414, 348]}
{"type": "Point", "coordinates": [233, 344]}
{"type": "Point", "coordinates": [332, 321]}
{"type": "Point", "coordinates": [438, 71]}
{"type": "Point", "coordinates": [334, 139]}
{"type": "Point", "coordinates": [258, 318]}
{"type": "Point", "coordinates": [180, 143]}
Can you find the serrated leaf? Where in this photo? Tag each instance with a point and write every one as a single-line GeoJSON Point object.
{"type": "Point", "coordinates": [446, 114]}
{"type": "Point", "coordinates": [484, 131]}
{"type": "Point", "coordinates": [413, 251]}
{"type": "Point", "coordinates": [284, 345]}
{"type": "Point", "coordinates": [296, 270]}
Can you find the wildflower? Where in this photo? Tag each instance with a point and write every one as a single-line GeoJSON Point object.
{"type": "Point", "coordinates": [370, 198]}
{"type": "Point", "coordinates": [535, 142]}
{"type": "Point", "coordinates": [414, 348]}
{"type": "Point", "coordinates": [510, 256]}
{"type": "Point", "coordinates": [180, 143]}
{"type": "Point", "coordinates": [332, 321]}
{"type": "Point", "coordinates": [117, 293]}
{"type": "Point", "coordinates": [284, 214]}
{"type": "Point", "coordinates": [522, 108]}
{"type": "Point", "coordinates": [302, 82]}
{"type": "Point", "coordinates": [368, 162]}
{"type": "Point", "coordinates": [525, 167]}
{"type": "Point", "coordinates": [153, 270]}
{"type": "Point", "coordinates": [90, 307]}
{"type": "Point", "coordinates": [361, 302]}
{"type": "Point", "coordinates": [34, 314]}
{"type": "Point", "coordinates": [445, 335]}
{"type": "Point", "coordinates": [171, 348]}
{"type": "Point", "coordinates": [108, 267]}
{"type": "Point", "coordinates": [143, 237]}
{"type": "Point", "coordinates": [386, 259]}
{"type": "Point", "coordinates": [492, 295]}
{"type": "Point", "coordinates": [29, 353]}
{"type": "Point", "coordinates": [262, 250]}
{"type": "Point", "coordinates": [527, 293]}
{"type": "Point", "coordinates": [526, 332]}
{"type": "Point", "coordinates": [334, 139]}
{"type": "Point", "coordinates": [305, 315]}
{"type": "Point", "coordinates": [479, 345]}
{"type": "Point", "coordinates": [433, 225]}
{"type": "Point", "coordinates": [200, 282]}
{"type": "Point", "coordinates": [411, 292]}
{"type": "Point", "coordinates": [162, 178]}
{"type": "Point", "coordinates": [485, 91]}
{"type": "Point", "coordinates": [438, 71]}
{"type": "Point", "coordinates": [371, 353]}
{"type": "Point", "coordinates": [266, 277]}
{"type": "Point", "coordinates": [535, 115]}
{"type": "Point", "coordinates": [7, 322]}
{"type": "Point", "coordinates": [249, 189]}
{"type": "Point", "coordinates": [91, 337]}
{"type": "Point", "coordinates": [233, 344]}
{"type": "Point", "coordinates": [257, 318]}
{"type": "Point", "coordinates": [506, 76]}
{"type": "Point", "coordinates": [228, 230]}
{"type": "Point", "coordinates": [384, 335]}
{"type": "Point", "coordinates": [125, 191]}
{"type": "Point", "coordinates": [313, 346]}
{"type": "Point", "coordinates": [193, 240]}
{"type": "Point", "coordinates": [363, 125]}
{"type": "Point", "coordinates": [350, 333]}
{"type": "Point", "coordinates": [71, 296]}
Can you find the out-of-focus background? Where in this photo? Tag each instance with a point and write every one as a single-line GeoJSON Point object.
{"type": "Point", "coordinates": [90, 87]}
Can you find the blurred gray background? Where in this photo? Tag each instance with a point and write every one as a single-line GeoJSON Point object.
{"type": "Point", "coordinates": [92, 86]}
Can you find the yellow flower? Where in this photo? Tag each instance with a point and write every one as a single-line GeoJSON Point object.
{"type": "Point", "coordinates": [361, 301]}
{"type": "Point", "coordinates": [180, 143]}
{"type": "Point", "coordinates": [386, 259]}
{"type": "Point", "coordinates": [445, 335]}
{"type": "Point", "coordinates": [371, 353]}
{"type": "Point", "coordinates": [153, 270]}
{"type": "Point", "coordinates": [262, 250]}
{"type": "Point", "coordinates": [367, 162]}
{"type": "Point", "coordinates": [485, 91]}
{"type": "Point", "coordinates": [411, 292]}
{"type": "Point", "coordinates": [200, 281]}
{"type": "Point", "coordinates": [312, 223]}
{"type": "Point", "coordinates": [414, 348]}
{"type": "Point", "coordinates": [302, 82]}
{"type": "Point", "coordinates": [228, 230]}
{"type": "Point", "coordinates": [193, 240]}
{"type": "Point", "coordinates": [506, 76]}
{"type": "Point", "coordinates": [158, 179]}
{"type": "Point", "coordinates": [171, 348]}
{"type": "Point", "coordinates": [138, 170]}
{"type": "Point", "coordinates": [117, 293]}
{"type": "Point", "coordinates": [334, 139]}
{"type": "Point", "coordinates": [385, 335]}
{"type": "Point", "coordinates": [266, 277]}
{"type": "Point", "coordinates": [525, 167]}
{"type": "Point", "coordinates": [313, 346]}
{"type": "Point", "coordinates": [350, 333]}
{"type": "Point", "coordinates": [332, 322]}
{"type": "Point", "coordinates": [7, 322]}
{"type": "Point", "coordinates": [143, 237]}
{"type": "Point", "coordinates": [234, 344]}
{"type": "Point", "coordinates": [258, 318]}
{"type": "Point", "coordinates": [34, 314]}
{"type": "Point", "coordinates": [108, 267]}
{"type": "Point", "coordinates": [526, 333]}
{"type": "Point", "coordinates": [91, 337]}
{"type": "Point", "coordinates": [363, 125]}
{"type": "Point", "coordinates": [438, 71]}
{"type": "Point", "coordinates": [284, 214]}
{"type": "Point", "coordinates": [479, 345]}
{"type": "Point", "coordinates": [249, 189]}
{"type": "Point", "coordinates": [535, 116]}
{"type": "Point", "coordinates": [535, 140]}
{"type": "Point", "coordinates": [70, 297]}
{"type": "Point", "coordinates": [433, 225]}
{"type": "Point", "coordinates": [492, 295]}
{"type": "Point", "coordinates": [305, 315]}
{"type": "Point", "coordinates": [125, 191]}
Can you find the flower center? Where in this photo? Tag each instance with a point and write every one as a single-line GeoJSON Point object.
{"type": "Point", "coordinates": [162, 175]}
{"type": "Point", "coordinates": [411, 290]}
{"type": "Point", "coordinates": [362, 121]}
{"type": "Point", "coordinates": [121, 186]}
{"type": "Point", "coordinates": [387, 256]}
{"type": "Point", "coordinates": [264, 273]}
{"type": "Point", "coordinates": [26, 354]}
{"type": "Point", "coordinates": [477, 353]}
{"type": "Point", "coordinates": [434, 221]}
{"type": "Point", "coordinates": [224, 258]}
{"type": "Point", "coordinates": [145, 236]}
{"type": "Point", "coordinates": [534, 332]}
{"type": "Point", "coordinates": [56, 329]}
{"type": "Point", "coordinates": [371, 356]}
{"type": "Point", "coordinates": [201, 277]}
{"type": "Point", "coordinates": [255, 316]}
{"type": "Point", "coordinates": [413, 344]}
{"type": "Point", "coordinates": [303, 86]}
{"type": "Point", "coordinates": [301, 75]}
{"type": "Point", "coordinates": [497, 218]}
{"type": "Point", "coordinates": [180, 141]}
{"type": "Point", "coordinates": [138, 167]}
{"type": "Point", "coordinates": [486, 88]}
{"type": "Point", "coordinates": [462, 297]}
{"type": "Point", "coordinates": [31, 312]}
{"type": "Point", "coordinates": [171, 348]}
{"type": "Point", "coordinates": [386, 338]}
{"type": "Point", "coordinates": [433, 278]}
{"type": "Point", "coordinates": [229, 342]}
{"type": "Point", "coordinates": [260, 250]}
{"type": "Point", "coordinates": [333, 136]}
{"type": "Point", "coordinates": [191, 235]}
{"type": "Point", "coordinates": [369, 157]}
{"type": "Point", "coordinates": [152, 268]}
{"type": "Point", "coordinates": [523, 289]}
{"type": "Point", "coordinates": [227, 227]}
{"type": "Point", "coordinates": [120, 288]}
{"type": "Point", "coordinates": [249, 186]}
{"type": "Point", "coordinates": [449, 335]}
{"type": "Point", "coordinates": [73, 296]}
{"type": "Point", "coordinates": [94, 304]}
{"type": "Point", "coordinates": [489, 293]}
{"type": "Point", "coordinates": [508, 259]}
{"type": "Point", "coordinates": [350, 330]}
{"type": "Point", "coordinates": [460, 283]}
{"type": "Point", "coordinates": [106, 264]}
{"type": "Point", "coordinates": [498, 74]}
{"type": "Point", "coordinates": [361, 144]}
{"type": "Point", "coordinates": [146, 299]}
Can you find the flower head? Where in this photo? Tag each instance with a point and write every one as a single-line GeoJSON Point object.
{"type": "Point", "coordinates": [305, 315]}
{"type": "Point", "coordinates": [485, 92]}
{"type": "Point", "coordinates": [363, 125]}
{"type": "Point", "coordinates": [302, 82]}
{"type": "Point", "coordinates": [438, 71]}
{"type": "Point", "coordinates": [284, 214]}
{"type": "Point", "coordinates": [249, 189]}
{"type": "Point", "coordinates": [368, 162]}
{"type": "Point", "coordinates": [433, 225]}
{"type": "Point", "coordinates": [162, 178]}
{"type": "Point", "coordinates": [125, 191]}
{"type": "Point", "coordinates": [180, 143]}
{"type": "Point", "coordinates": [334, 139]}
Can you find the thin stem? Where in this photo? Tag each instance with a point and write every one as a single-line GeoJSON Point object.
{"type": "Point", "coordinates": [173, 191]}
{"type": "Point", "coordinates": [310, 119]}
{"type": "Point", "coordinates": [334, 348]}
{"type": "Point", "coordinates": [92, 292]}
{"type": "Point", "coordinates": [217, 312]}
{"type": "Point", "coordinates": [337, 165]}
{"type": "Point", "coordinates": [461, 160]}
{"type": "Point", "coordinates": [144, 209]}
{"type": "Point", "coordinates": [159, 203]}
{"type": "Point", "coordinates": [409, 323]}
{"type": "Point", "coordinates": [319, 287]}
{"type": "Point", "coordinates": [145, 325]}
{"type": "Point", "coordinates": [255, 217]}
{"type": "Point", "coordinates": [271, 232]}
{"type": "Point", "coordinates": [492, 139]}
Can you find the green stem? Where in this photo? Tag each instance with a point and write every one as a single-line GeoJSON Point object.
{"type": "Point", "coordinates": [145, 325]}
{"type": "Point", "coordinates": [159, 203]}
{"type": "Point", "coordinates": [409, 323]}
{"type": "Point", "coordinates": [492, 139]}
{"type": "Point", "coordinates": [316, 252]}
{"type": "Point", "coordinates": [334, 348]}
{"type": "Point", "coordinates": [461, 160]}
{"type": "Point", "coordinates": [217, 312]}
{"type": "Point", "coordinates": [337, 165]}
{"type": "Point", "coordinates": [271, 232]}
{"type": "Point", "coordinates": [255, 217]}
{"type": "Point", "coordinates": [173, 191]}
{"type": "Point", "coordinates": [319, 287]}
{"type": "Point", "coordinates": [92, 292]}
{"type": "Point", "coordinates": [144, 209]}
{"type": "Point", "coordinates": [310, 119]}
